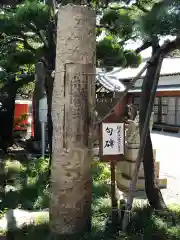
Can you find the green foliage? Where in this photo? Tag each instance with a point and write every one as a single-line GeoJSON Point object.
{"type": "Point", "coordinates": [32, 12]}
{"type": "Point", "coordinates": [34, 192]}
{"type": "Point", "coordinates": [18, 121]}
{"type": "Point", "coordinates": [27, 24]}
{"type": "Point", "coordinates": [23, 18]}
{"type": "Point", "coordinates": [118, 27]}
{"type": "Point", "coordinates": [13, 167]}
{"type": "Point", "coordinates": [163, 19]}
{"type": "Point", "coordinates": [21, 41]}
{"type": "Point", "coordinates": [29, 180]}
{"type": "Point", "coordinates": [109, 52]}
{"type": "Point", "coordinates": [101, 172]}
{"type": "Point", "coordinates": [132, 59]}
{"type": "Point", "coordinates": [145, 223]}
{"type": "Point", "coordinates": [17, 59]}
{"type": "Point", "coordinates": [117, 23]}
{"type": "Point", "coordinates": [99, 31]}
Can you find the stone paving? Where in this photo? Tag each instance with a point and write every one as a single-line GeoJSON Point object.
{"type": "Point", "coordinates": [167, 147]}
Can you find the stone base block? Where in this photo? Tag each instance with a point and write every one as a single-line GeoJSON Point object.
{"type": "Point", "coordinates": [131, 154]}
{"type": "Point", "coordinates": [127, 168]}
{"type": "Point", "coordinates": [123, 183]}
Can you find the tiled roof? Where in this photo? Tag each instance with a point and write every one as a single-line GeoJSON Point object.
{"type": "Point", "coordinates": [170, 66]}
{"type": "Point", "coordinates": [114, 80]}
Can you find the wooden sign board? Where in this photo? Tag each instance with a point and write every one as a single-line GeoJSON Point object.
{"type": "Point", "coordinates": [112, 143]}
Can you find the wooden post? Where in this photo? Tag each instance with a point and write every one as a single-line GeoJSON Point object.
{"type": "Point", "coordinates": [2, 181]}
{"type": "Point", "coordinates": [113, 194]}
{"type": "Point", "coordinates": [143, 137]}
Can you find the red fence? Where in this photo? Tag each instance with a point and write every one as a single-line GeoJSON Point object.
{"type": "Point", "coordinates": [24, 107]}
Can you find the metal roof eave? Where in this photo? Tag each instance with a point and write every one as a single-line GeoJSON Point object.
{"type": "Point", "coordinates": [170, 67]}
{"type": "Point", "coordinates": [162, 75]}
{"type": "Point", "coordinates": [159, 89]}
{"type": "Point", "coordinates": [110, 83]}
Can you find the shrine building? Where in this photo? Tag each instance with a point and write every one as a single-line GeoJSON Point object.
{"type": "Point", "coordinates": [167, 101]}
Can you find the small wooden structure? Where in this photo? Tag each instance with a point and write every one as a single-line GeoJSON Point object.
{"type": "Point", "coordinates": [124, 164]}
{"type": "Point", "coordinates": [167, 102]}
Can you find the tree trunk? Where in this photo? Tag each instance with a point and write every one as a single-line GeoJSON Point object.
{"type": "Point", "coordinates": [7, 116]}
{"type": "Point", "coordinates": [71, 183]}
{"type": "Point", "coordinates": [39, 93]}
{"type": "Point", "coordinates": [152, 190]}
{"type": "Point", "coordinates": [49, 90]}
{"type": "Point", "coordinates": [50, 60]}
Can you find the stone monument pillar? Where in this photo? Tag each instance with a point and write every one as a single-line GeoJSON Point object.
{"type": "Point", "coordinates": [72, 106]}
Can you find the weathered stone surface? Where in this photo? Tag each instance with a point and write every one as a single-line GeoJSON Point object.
{"type": "Point", "coordinates": [72, 105]}
{"type": "Point", "coordinates": [132, 133]}
{"type": "Point", "coordinates": [123, 183]}
{"type": "Point", "coordinates": [131, 153]}
{"type": "Point", "coordinates": [127, 168]}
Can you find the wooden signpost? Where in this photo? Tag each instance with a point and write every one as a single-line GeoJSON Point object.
{"type": "Point", "coordinates": [112, 147]}
{"type": "Point", "coordinates": [112, 139]}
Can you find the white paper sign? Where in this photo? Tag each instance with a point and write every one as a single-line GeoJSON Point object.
{"type": "Point", "coordinates": [113, 138]}
{"type": "Point", "coordinates": [43, 109]}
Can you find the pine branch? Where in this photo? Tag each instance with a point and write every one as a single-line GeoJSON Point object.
{"type": "Point", "coordinates": [25, 41]}
{"type": "Point", "coordinates": [18, 39]}
{"type": "Point", "coordinates": [138, 5]}
{"type": "Point", "coordinates": [39, 33]}
{"type": "Point", "coordinates": [14, 39]}
{"type": "Point", "coordinates": [130, 8]}
{"type": "Point", "coordinates": [18, 84]}
{"type": "Point", "coordinates": [121, 8]}
{"type": "Point", "coordinates": [25, 80]}
{"type": "Point", "coordinates": [145, 45]}
{"type": "Point", "coordinates": [42, 37]}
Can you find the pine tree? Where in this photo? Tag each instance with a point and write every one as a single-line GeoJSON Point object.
{"type": "Point", "coordinates": [159, 19]}
{"type": "Point", "coordinates": [33, 25]}
{"type": "Point", "coordinates": [156, 19]}
{"type": "Point", "coordinates": [16, 72]}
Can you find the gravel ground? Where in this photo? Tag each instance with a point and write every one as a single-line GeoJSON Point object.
{"type": "Point", "coordinates": [167, 147]}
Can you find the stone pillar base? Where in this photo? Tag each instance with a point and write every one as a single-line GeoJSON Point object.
{"type": "Point", "coordinates": [131, 153]}
{"type": "Point", "coordinates": [127, 168]}
{"type": "Point", "coordinates": [123, 183]}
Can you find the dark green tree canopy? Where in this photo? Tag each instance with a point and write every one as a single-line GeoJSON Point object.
{"type": "Point", "coordinates": [163, 19]}
{"type": "Point", "coordinates": [29, 23]}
